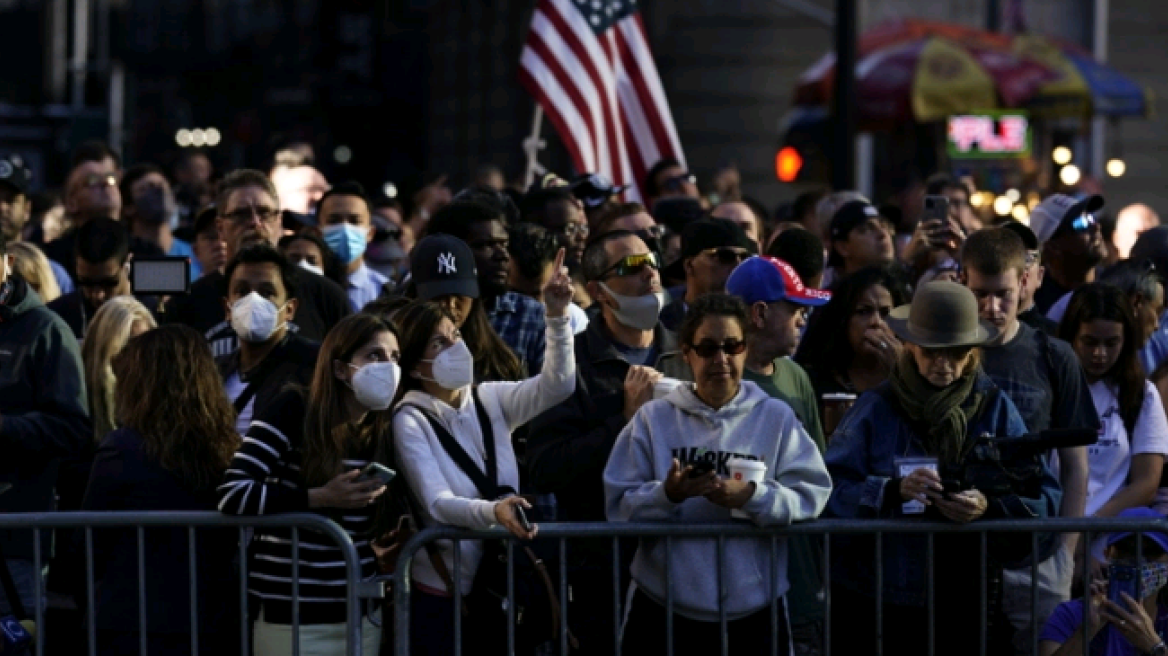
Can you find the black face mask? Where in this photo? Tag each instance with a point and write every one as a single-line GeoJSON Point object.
{"type": "Point", "coordinates": [154, 206]}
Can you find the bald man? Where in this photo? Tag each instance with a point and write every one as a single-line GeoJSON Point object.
{"type": "Point", "coordinates": [1130, 223]}
{"type": "Point", "coordinates": [741, 214]}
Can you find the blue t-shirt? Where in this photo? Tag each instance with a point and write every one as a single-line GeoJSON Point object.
{"type": "Point", "coordinates": [180, 248]}
{"type": "Point", "coordinates": [1066, 619]}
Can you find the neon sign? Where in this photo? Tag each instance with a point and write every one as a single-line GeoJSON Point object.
{"type": "Point", "coordinates": [989, 135]}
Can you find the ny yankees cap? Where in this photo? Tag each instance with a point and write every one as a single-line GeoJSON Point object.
{"type": "Point", "coordinates": [441, 265]}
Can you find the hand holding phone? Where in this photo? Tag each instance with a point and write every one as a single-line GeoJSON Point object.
{"type": "Point", "coordinates": [521, 516]}
{"type": "Point", "coordinates": [376, 471]}
{"type": "Point", "coordinates": [700, 468]}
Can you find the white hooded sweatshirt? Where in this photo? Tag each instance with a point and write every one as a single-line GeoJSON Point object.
{"type": "Point", "coordinates": [754, 426]}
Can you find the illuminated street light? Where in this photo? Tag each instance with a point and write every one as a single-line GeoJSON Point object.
{"type": "Point", "coordinates": [1062, 155]}
{"type": "Point", "coordinates": [390, 190]}
{"type": "Point", "coordinates": [213, 137]}
{"type": "Point", "coordinates": [343, 154]}
{"type": "Point", "coordinates": [198, 138]}
{"type": "Point", "coordinates": [1002, 206]}
{"type": "Point", "coordinates": [183, 138]}
{"type": "Point", "coordinates": [1070, 175]}
{"type": "Point", "coordinates": [1020, 213]}
{"type": "Point", "coordinates": [1116, 167]}
{"type": "Point", "coordinates": [1013, 195]}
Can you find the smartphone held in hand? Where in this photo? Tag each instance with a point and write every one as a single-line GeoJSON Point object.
{"type": "Point", "coordinates": [377, 471]}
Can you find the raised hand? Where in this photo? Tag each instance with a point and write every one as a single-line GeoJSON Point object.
{"type": "Point", "coordinates": [557, 293]}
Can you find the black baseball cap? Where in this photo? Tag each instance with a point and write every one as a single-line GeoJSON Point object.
{"type": "Point", "coordinates": [848, 217]}
{"type": "Point", "coordinates": [594, 189]}
{"type": "Point", "coordinates": [705, 234]}
{"type": "Point", "coordinates": [14, 173]}
{"type": "Point", "coordinates": [1029, 239]}
{"type": "Point", "coordinates": [441, 265]}
{"type": "Point", "coordinates": [205, 219]}
{"type": "Point", "coordinates": [676, 212]}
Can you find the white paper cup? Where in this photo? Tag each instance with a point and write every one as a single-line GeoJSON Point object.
{"type": "Point", "coordinates": [742, 469]}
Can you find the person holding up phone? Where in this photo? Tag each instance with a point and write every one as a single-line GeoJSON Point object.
{"type": "Point", "coordinates": [305, 451]}
{"type": "Point", "coordinates": [1127, 613]}
{"type": "Point", "coordinates": [452, 442]}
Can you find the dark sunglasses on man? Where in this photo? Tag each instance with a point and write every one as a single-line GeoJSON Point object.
{"type": "Point", "coordinates": [727, 255]}
{"type": "Point", "coordinates": [708, 348]}
{"type": "Point", "coordinates": [677, 182]}
{"type": "Point", "coordinates": [631, 265]}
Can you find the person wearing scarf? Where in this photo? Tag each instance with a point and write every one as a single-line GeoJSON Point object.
{"type": "Point", "coordinates": [889, 459]}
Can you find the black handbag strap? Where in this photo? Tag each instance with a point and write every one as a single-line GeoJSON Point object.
{"type": "Point", "coordinates": [10, 591]}
{"type": "Point", "coordinates": [487, 482]}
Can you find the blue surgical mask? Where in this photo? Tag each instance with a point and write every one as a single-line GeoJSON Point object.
{"type": "Point", "coordinates": [346, 240]}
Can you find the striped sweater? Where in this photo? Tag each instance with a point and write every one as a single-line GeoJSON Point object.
{"type": "Point", "coordinates": [264, 479]}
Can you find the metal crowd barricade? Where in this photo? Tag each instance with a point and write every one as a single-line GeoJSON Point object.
{"type": "Point", "coordinates": [88, 521]}
{"type": "Point", "coordinates": [563, 532]}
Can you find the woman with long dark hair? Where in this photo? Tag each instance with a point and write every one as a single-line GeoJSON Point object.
{"type": "Point", "coordinates": [307, 250]}
{"type": "Point", "coordinates": [173, 445]}
{"type": "Point", "coordinates": [848, 347]}
{"type": "Point", "coordinates": [441, 412]}
{"type": "Point", "coordinates": [1127, 461]}
{"type": "Point", "coordinates": [305, 452]}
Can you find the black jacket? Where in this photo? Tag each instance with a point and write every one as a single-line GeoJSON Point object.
{"type": "Point", "coordinates": [292, 361]}
{"type": "Point", "coordinates": [569, 445]}
{"type": "Point", "coordinates": [125, 478]}
{"type": "Point", "coordinates": [322, 304]}
{"type": "Point", "coordinates": [44, 414]}
{"type": "Point", "coordinates": [77, 314]}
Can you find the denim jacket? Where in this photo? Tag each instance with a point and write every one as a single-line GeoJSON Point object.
{"type": "Point", "coordinates": [861, 459]}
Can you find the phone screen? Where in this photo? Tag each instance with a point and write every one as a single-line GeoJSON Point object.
{"type": "Point", "coordinates": [936, 208]}
{"type": "Point", "coordinates": [160, 276]}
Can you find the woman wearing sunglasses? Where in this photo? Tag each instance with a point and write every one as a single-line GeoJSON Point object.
{"type": "Point", "coordinates": [901, 453]}
{"type": "Point", "coordinates": [673, 463]}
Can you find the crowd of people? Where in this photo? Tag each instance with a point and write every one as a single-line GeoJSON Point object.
{"type": "Point", "coordinates": [502, 357]}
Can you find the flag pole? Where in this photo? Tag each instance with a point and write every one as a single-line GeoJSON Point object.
{"type": "Point", "coordinates": [532, 145]}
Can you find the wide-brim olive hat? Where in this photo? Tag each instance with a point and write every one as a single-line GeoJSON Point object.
{"type": "Point", "coordinates": [942, 314]}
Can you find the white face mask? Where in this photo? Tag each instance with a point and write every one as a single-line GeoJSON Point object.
{"type": "Point", "coordinates": [309, 266]}
{"type": "Point", "coordinates": [254, 318]}
{"type": "Point", "coordinates": [375, 384]}
{"type": "Point", "coordinates": [454, 367]}
{"type": "Point", "coordinates": [638, 312]}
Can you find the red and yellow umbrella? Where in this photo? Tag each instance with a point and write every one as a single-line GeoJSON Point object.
{"type": "Point", "coordinates": [922, 71]}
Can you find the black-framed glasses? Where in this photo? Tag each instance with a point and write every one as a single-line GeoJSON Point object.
{"type": "Point", "coordinates": [708, 348]}
{"type": "Point", "coordinates": [244, 215]}
{"type": "Point", "coordinates": [727, 255]}
{"type": "Point", "coordinates": [631, 265]}
{"type": "Point", "coordinates": [677, 182]}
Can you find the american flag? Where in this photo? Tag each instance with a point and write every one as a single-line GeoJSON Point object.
{"type": "Point", "coordinates": [588, 65]}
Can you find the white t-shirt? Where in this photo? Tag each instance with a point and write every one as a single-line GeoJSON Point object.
{"type": "Point", "coordinates": [1110, 457]}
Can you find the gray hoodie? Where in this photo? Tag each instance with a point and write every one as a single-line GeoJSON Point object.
{"type": "Point", "coordinates": [754, 426]}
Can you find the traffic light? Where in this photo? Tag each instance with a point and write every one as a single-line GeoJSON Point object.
{"type": "Point", "coordinates": [788, 163]}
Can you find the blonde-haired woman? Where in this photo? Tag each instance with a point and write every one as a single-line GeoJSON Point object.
{"type": "Point", "coordinates": [118, 319]}
{"type": "Point", "coordinates": [33, 266]}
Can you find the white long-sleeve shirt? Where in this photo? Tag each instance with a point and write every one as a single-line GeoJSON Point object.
{"type": "Point", "coordinates": [446, 494]}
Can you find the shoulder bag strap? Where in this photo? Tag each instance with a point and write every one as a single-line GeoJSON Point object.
{"type": "Point", "coordinates": [485, 486]}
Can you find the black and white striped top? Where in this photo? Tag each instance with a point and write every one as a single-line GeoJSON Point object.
{"type": "Point", "coordinates": [264, 479]}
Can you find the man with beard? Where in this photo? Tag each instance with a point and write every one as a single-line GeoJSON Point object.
{"type": "Point", "coordinates": [150, 209]}
{"type": "Point", "coordinates": [249, 213]}
{"type": "Point", "coordinates": [16, 208]}
{"type": "Point", "coordinates": [1072, 245]}
{"type": "Point", "coordinates": [518, 319]}
{"type": "Point", "coordinates": [1042, 376]}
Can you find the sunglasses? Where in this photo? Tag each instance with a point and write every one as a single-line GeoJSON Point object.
{"type": "Point", "coordinates": [708, 348]}
{"type": "Point", "coordinates": [677, 182]}
{"type": "Point", "coordinates": [631, 265]}
{"type": "Point", "coordinates": [727, 255]}
{"type": "Point", "coordinates": [573, 229]}
{"type": "Point", "coordinates": [101, 283]}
